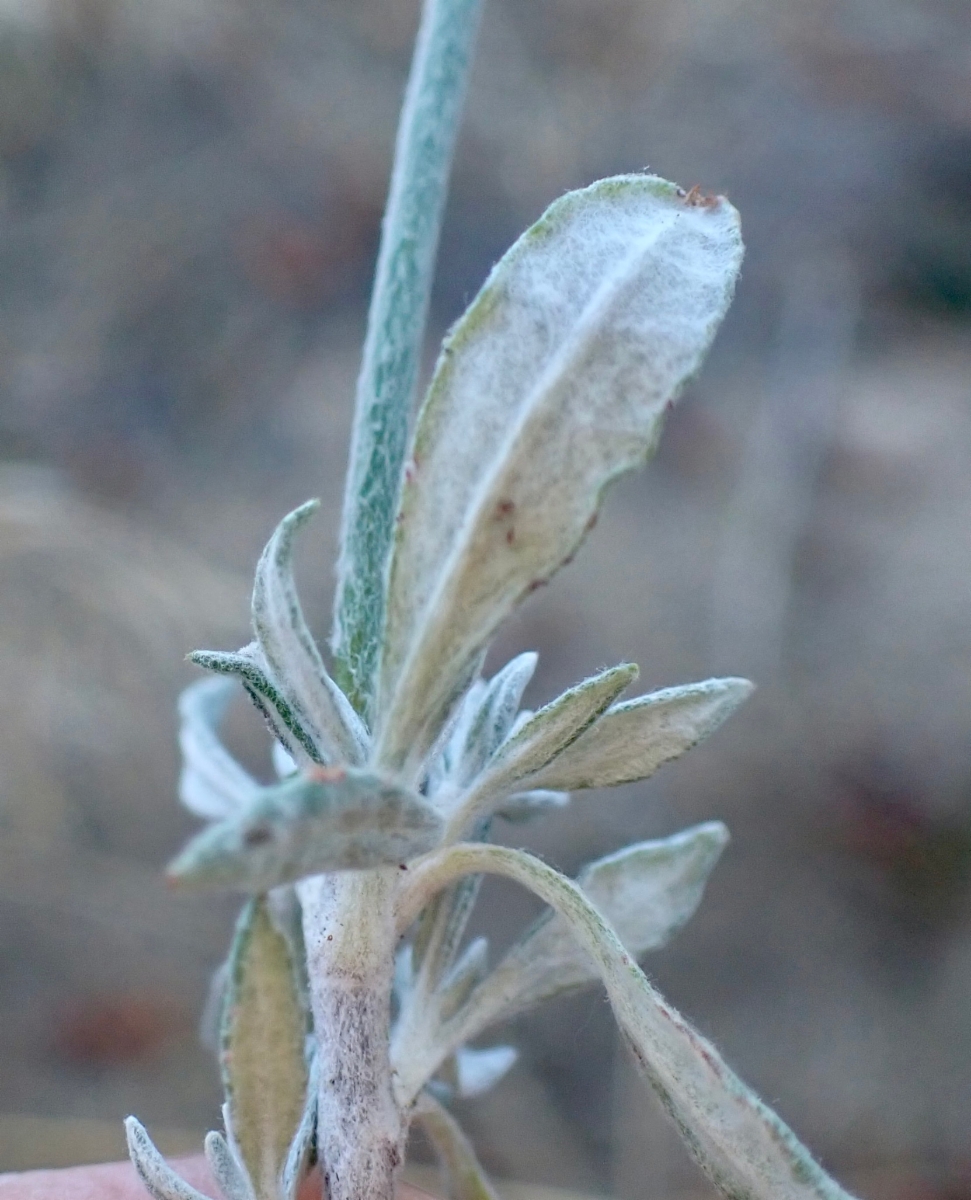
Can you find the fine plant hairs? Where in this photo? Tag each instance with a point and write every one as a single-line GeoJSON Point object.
{"type": "Point", "coordinates": [349, 999]}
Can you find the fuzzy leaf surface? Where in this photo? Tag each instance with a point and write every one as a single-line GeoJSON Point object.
{"type": "Point", "coordinates": [226, 1168]}
{"type": "Point", "coordinates": [647, 892]}
{"type": "Point", "coordinates": [330, 819]}
{"type": "Point", "coordinates": [553, 383]}
{"type": "Point", "coordinates": [291, 654]}
{"type": "Point", "coordinates": [632, 739]}
{"type": "Point", "coordinates": [526, 806]}
{"type": "Point", "coordinates": [541, 737]}
{"type": "Point", "coordinates": [156, 1174]}
{"type": "Point", "coordinates": [212, 783]}
{"type": "Point", "coordinates": [740, 1143]}
{"type": "Point", "coordinates": [495, 715]}
{"type": "Point", "coordinates": [264, 1067]}
{"type": "Point", "coordinates": [249, 666]}
{"type": "Point", "coordinates": [477, 1071]}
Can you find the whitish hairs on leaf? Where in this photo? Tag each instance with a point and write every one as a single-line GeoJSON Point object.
{"type": "Point", "coordinates": [553, 383]}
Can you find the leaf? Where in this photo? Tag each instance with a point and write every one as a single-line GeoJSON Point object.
{"type": "Point", "coordinates": [330, 819]}
{"type": "Point", "coordinates": [524, 806]}
{"type": "Point", "coordinates": [250, 667]}
{"type": "Point", "coordinates": [477, 1071]}
{"type": "Point", "coordinates": [157, 1176]}
{"type": "Point", "coordinates": [647, 892]}
{"type": "Point", "coordinates": [468, 971]}
{"type": "Point", "coordinates": [210, 1023]}
{"type": "Point", "coordinates": [395, 331]}
{"type": "Point", "coordinates": [631, 740]}
{"type": "Point", "coordinates": [226, 1168]}
{"type": "Point", "coordinates": [544, 735]}
{"type": "Point", "coordinates": [740, 1143]}
{"type": "Point", "coordinates": [554, 382]}
{"type": "Point", "coordinates": [263, 1057]}
{"type": "Point", "coordinates": [291, 655]}
{"type": "Point", "coordinates": [212, 783]}
{"type": "Point", "coordinates": [296, 1167]}
{"type": "Point", "coordinates": [495, 715]}
{"type": "Point", "coordinates": [464, 1177]}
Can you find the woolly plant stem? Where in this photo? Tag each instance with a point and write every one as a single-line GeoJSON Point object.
{"type": "Point", "coordinates": [350, 936]}
{"type": "Point", "coordinates": [395, 331]}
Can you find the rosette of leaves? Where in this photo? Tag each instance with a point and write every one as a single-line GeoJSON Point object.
{"type": "Point", "coordinates": [350, 998]}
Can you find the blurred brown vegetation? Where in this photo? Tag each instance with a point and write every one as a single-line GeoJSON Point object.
{"type": "Point", "coordinates": [190, 197]}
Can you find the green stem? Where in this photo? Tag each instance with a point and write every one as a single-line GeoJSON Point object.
{"type": "Point", "coordinates": [395, 332]}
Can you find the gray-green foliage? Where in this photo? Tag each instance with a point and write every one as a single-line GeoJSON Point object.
{"type": "Point", "coordinates": [363, 859]}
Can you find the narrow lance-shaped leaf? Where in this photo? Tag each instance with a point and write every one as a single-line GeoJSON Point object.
{"type": "Point", "coordinates": [226, 1168]}
{"type": "Point", "coordinates": [250, 667]}
{"type": "Point", "coordinates": [156, 1174]}
{"type": "Point", "coordinates": [263, 1050]}
{"type": "Point", "coordinates": [525, 806]}
{"type": "Point", "coordinates": [396, 329]}
{"type": "Point", "coordinates": [539, 739]}
{"type": "Point", "coordinates": [646, 891]}
{"type": "Point", "coordinates": [468, 971]}
{"type": "Point", "coordinates": [291, 654]}
{"type": "Point", "coordinates": [212, 783]}
{"type": "Point", "coordinates": [464, 1177]}
{"type": "Point", "coordinates": [740, 1143]}
{"type": "Point", "coordinates": [495, 716]}
{"type": "Point", "coordinates": [554, 382]}
{"type": "Point", "coordinates": [330, 819]}
{"type": "Point", "coordinates": [632, 739]}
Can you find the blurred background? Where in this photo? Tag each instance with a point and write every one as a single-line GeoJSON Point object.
{"type": "Point", "coordinates": [190, 197]}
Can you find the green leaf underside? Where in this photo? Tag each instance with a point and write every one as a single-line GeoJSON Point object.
{"type": "Point", "coordinates": [395, 333]}
{"type": "Point", "coordinates": [632, 739]}
{"type": "Point", "coordinates": [246, 666]}
{"type": "Point", "coordinates": [740, 1143]}
{"type": "Point", "coordinates": [541, 737]}
{"type": "Point", "coordinates": [464, 1178]}
{"type": "Point", "coordinates": [554, 382]}
{"type": "Point", "coordinates": [291, 654]}
{"type": "Point", "coordinates": [263, 1057]}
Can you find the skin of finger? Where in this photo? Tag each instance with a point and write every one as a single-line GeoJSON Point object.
{"type": "Point", "coordinates": [118, 1181]}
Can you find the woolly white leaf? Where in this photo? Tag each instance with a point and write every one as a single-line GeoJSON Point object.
{"type": "Point", "coordinates": [632, 739]}
{"type": "Point", "coordinates": [464, 1178]}
{"type": "Point", "coordinates": [740, 1143]}
{"type": "Point", "coordinates": [539, 739]}
{"type": "Point", "coordinates": [157, 1176]}
{"type": "Point", "coordinates": [291, 654]}
{"type": "Point", "coordinates": [226, 1168]}
{"type": "Point", "coordinates": [330, 819]}
{"type": "Point", "coordinates": [646, 891]}
{"type": "Point", "coordinates": [212, 783]}
{"type": "Point", "coordinates": [524, 806]}
{"type": "Point", "coordinates": [283, 762]}
{"type": "Point", "coordinates": [264, 1068]}
{"type": "Point", "coordinates": [495, 715]}
{"type": "Point", "coordinates": [476, 1071]}
{"type": "Point", "coordinates": [554, 382]}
